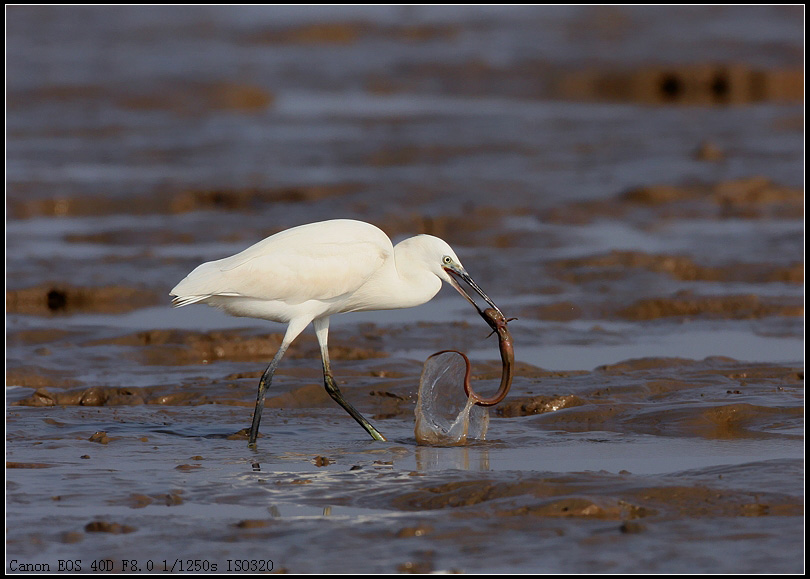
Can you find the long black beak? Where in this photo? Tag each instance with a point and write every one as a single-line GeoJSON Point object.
{"type": "Point", "coordinates": [461, 274]}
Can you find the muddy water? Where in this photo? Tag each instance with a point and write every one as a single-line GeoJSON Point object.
{"type": "Point", "coordinates": [627, 182]}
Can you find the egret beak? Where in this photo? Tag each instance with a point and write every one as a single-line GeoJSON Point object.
{"type": "Point", "coordinates": [462, 274]}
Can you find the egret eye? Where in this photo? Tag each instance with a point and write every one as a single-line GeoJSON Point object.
{"type": "Point", "coordinates": [447, 259]}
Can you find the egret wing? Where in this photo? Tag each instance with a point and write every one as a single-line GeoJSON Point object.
{"type": "Point", "coordinates": [320, 271]}
{"type": "Point", "coordinates": [311, 262]}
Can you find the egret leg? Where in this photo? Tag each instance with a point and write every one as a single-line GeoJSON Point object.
{"type": "Point", "coordinates": [322, 331]}
{"type": "Point", "coordinates": [295, 328]}
{"type": "Point", "coordinates": [264, 383]}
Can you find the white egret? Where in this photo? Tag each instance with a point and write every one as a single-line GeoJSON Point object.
{"type": "Point", "coordinates": [308, 273]}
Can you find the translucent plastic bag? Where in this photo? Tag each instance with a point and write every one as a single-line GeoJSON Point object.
{"type": "Point", "coordinates": [448, 411]}
{"type": "Point", "coordinates": [445, 415]}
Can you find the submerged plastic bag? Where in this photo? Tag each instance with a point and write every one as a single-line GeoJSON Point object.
{"type": "Point", "coordinates": [445, 415]}
{"type": "Point", "coordinates": [448, 411]}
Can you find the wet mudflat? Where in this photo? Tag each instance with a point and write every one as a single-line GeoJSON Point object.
{"type": "Point", "coordinates": [626, 182]}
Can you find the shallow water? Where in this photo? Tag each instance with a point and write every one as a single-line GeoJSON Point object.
{"type": "Point", "coordinates": [636, 205]}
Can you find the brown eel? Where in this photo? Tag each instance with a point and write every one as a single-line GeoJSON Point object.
{"type": "Point", "coordinates": [497, 322]}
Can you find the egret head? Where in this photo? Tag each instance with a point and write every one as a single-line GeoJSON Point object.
{"type": "Point", "coordinates": [444, 262]}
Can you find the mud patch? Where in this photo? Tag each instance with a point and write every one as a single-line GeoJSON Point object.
{"type": "Point", "coordinates": [687, 305]}
{"type": "Point", "coordinates": [181, 347]}
{"type": "Point", "coordinates": [699, 84]}
{"type": "Point", "coordinates": [699, 501]}
{"type": "Point", "coordinates": [739, 420]}
{"type": "Point", "coordinates": [139, 501]}
{"type": "Point", "coordinates": [99, 396]}
{"type": "Point", "coordinates": [607, 509]}
{"type": "Point", "coordinates": [477, 224]}
{"type": "Point", "coordinates": [176, 202]}
{"type": "Point", "coordinates": [537, 405]}
{"type": "Point", "coordinates": [108, 527]}
{"type": "Point", "coordinates": [679, 267]}
{"type": "Point", "coordinates": [470, 493]}
{"type": "Point", "coordinates": [11, 464]}
{"type": "Point", "coordinates": [654, 84]}
{"type": "Point", "coordinates": [198, 99]}
{"type": "Point", "coordinates": [34, 377]}
{"type": "Point", "coordinates": [701, 399]}
{"type": "Point", "coordinates": [62, 299]}
{"type": "Point", "coordinates": [748, 198]}
{"type": "Point", "coordinates": [346, 33]}
{"type": "Point", "coordinates": [180, 98]}
{"type": "Point", "coordinates": [599, 496]}
{"type": "Point", "coordinates": [38, 336]}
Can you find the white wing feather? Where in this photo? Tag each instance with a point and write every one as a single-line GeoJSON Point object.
{"type": "Point", "coordinates": [319, 261]}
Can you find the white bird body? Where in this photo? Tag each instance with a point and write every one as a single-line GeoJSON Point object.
{"type": "Point", "coordinates": [318, 269]}
{"type": "Point", "coordinates": [311, 272]}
